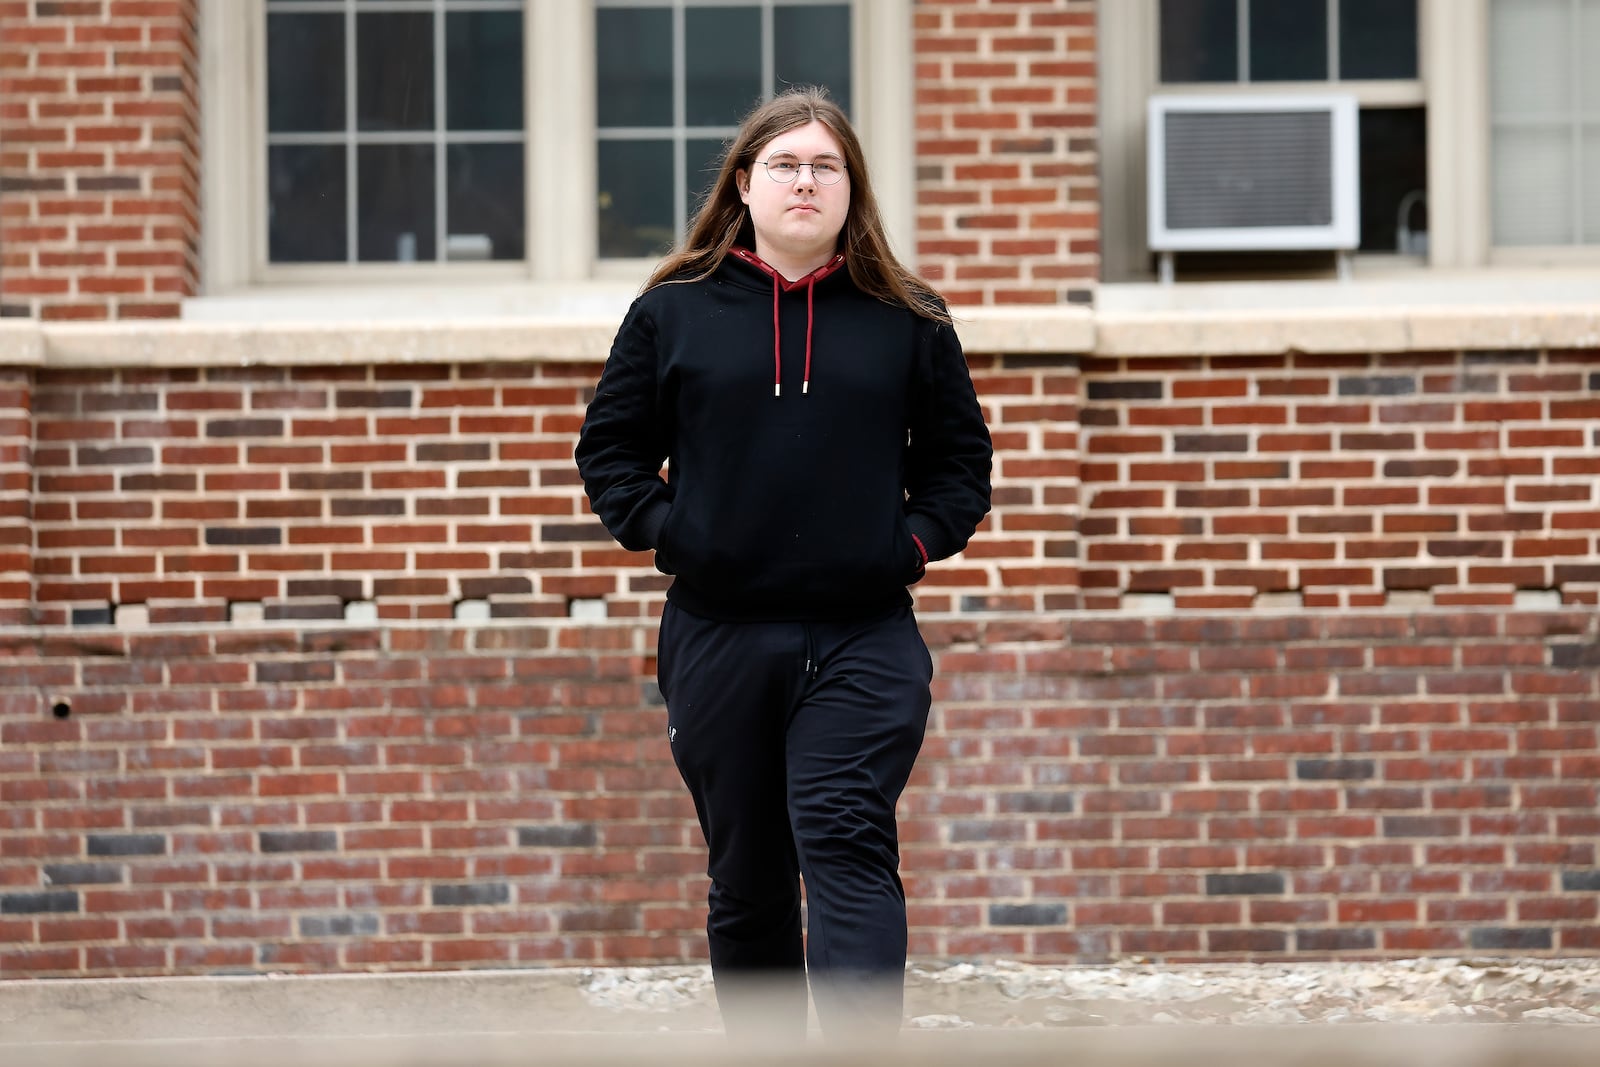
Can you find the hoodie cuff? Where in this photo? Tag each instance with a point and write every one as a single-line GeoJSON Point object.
{"type": "Point", "coordinates": [653, 521]}
{"type": "Point", "coordinates": [928, 536]}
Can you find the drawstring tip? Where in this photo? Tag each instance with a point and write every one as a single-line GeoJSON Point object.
{"type": "Point", "coordinates": [777, 390]}
{"type": "Point", "coordinates": [805, 386]}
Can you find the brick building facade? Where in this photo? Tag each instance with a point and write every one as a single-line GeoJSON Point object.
{"type": "Point", "coordinates": [1279, 642]}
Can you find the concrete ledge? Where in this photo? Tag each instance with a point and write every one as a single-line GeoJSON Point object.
{"type": "Point", "coordinates": [1409, 329]}
{"type": "Point", "coordinates": [21, 343]}
{"type": "Point", "coordinates": [1050, 331]}
{"type": "Point", "coordinates": [187, 344]}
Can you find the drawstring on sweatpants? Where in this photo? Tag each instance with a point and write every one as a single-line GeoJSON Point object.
{"type": "Point", "coordinates": [811, 652]}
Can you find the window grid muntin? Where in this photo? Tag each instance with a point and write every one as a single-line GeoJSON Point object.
{"type": "Point", "coordinates": [1242, 46]}
{"type": "Point", "coordinates": [679, 132]}
{"type": "Point", "coordinates": [352, 138]}
{"type": "Point", "coordinates": [1575, 120]}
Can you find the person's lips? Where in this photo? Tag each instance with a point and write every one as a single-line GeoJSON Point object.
{"type": "Point", "coordinates": [803, 207]}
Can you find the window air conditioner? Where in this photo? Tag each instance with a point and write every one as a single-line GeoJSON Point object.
{"type": "Point", "coordinates": [1255, 173]}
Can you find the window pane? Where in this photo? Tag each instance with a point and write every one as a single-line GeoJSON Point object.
{"type": "Point", "coordinates": [1377, 38]}
{"type": "Point", "coordinates": [703, 160]}
{"type": "Point", "coordinates": [1530, 75]}
{"type": "Point", "coordinates": [634, 61]}
{"type": "Point", "coordinates": [484, 205]}
{"type": "Point", "coordinates": [305, 73]}
{"type": "Point", "coordinates": [636, 194]}
{"type": "Point", "coordinates": [394, 70]}
{"type": "Point", "coordinates": [306, 204]}
{"type": "Point", "coordinates": [1199, 40]}
{"type": "Point", "coordinates": [1532, 186]}
{"type": "Point", "coordinates": [1591, 184]}
{"type": "Point", "coordinates": [394, 202]}
{"type": "Point", "coordinates": [1288, 40]}
{"type": "Point", "coordinates": [722, 64]}
{"type": "Point", "coordinates": [483, 70]}
{"type": "Point", "coordinates": [1589, 45]}
{"type": "Point", "coordinates": [811, 46]}
{"type": "Point", "coordinates": [1394, 164]}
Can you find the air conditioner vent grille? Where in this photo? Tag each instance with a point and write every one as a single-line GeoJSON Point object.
{"type": "Point", "coordinates": [1230, 170]}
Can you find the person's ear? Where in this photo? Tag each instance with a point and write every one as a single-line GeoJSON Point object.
{"type": "Point", "coordinates": [741, 182]}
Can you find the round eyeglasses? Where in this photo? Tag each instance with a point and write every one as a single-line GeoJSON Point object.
{"type": "Point", "coordinates": [783, 168]}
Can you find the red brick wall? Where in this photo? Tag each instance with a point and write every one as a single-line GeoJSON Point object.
{"type": "Point", "coordinates": [1207, 787]}
{"type": "Point", "coordinates": [99, 158]}
{"type": "Point", "coordinates": [1455, 477]}
{"type": "Point", "coordinates": [1008, 196]}
{"type": "Point", "coordinates": [1444, 478]}
{"type": "Point", "coordinates": [417, 487]}
{"type": "Point", "coordinates": [16, 497]}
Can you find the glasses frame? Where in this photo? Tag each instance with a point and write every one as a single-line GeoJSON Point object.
{"type": "Point", "coordinates": [841, 164]}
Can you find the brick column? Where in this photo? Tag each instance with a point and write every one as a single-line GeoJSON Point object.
{"type": "Point", "coordinates": [99, 158]}
{"type": "Point", "coordinates": [16, 505]}
{"type": "Point", "coordinates": [1008, 197]}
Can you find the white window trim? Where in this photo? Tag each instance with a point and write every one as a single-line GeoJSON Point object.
{"type": "Point", "coordinates": [560, 170]}
{"type": "Point", "coordinates": [1453, 83]}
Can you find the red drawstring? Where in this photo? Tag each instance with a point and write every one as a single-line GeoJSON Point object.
{"type": "Point", "coordinates": [777, 348]}
{"type": "Point", "coordinates": [811, 291]}
{"type": "Point", "coordinates": [780, 285]}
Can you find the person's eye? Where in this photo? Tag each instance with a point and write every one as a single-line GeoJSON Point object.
{"type": "Point", "coordinates": [827, 170]}
{"type": "Point", "coordinates": [785, 166]}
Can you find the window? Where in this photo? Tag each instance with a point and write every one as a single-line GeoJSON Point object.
{"type": "Point", "coordinates": [483, 141]}
{"type": "Point", "coordinates": [1544, 141]}
{"type": "Point", "coordinates": [1480, 119]}
{"type": "Point", "coordinates": [1287, 40]}
{"type": "Point", "coordinates": [1327, 43]}
{"type": "Point", "coordinates": [394, 131]}
{"type": "Point", "coordinates": [672, 82]}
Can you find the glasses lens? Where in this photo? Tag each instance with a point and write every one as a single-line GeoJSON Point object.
{"type": "Point", "coordinates": [782, 168]}
{"type": "Point", "coordinates": [825, 171]}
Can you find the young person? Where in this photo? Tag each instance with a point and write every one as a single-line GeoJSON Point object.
{"type": "Point", "coordinates": [825, 445]}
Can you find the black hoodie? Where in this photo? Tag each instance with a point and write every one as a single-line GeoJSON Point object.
{"type": "Point", "coordinates": [814, 482]}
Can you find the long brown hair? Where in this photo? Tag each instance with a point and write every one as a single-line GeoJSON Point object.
{"type": "Point", "coordinates": [722, 222]}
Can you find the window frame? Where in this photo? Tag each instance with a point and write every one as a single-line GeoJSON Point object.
{"type": "Point", "coordinates": [559, 140]}
{"type": "Point", "coordinates": [1452, 85]}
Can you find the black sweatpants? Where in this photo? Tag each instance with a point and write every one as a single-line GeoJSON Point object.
{"type": "Point", "coordinates": [796, 740]}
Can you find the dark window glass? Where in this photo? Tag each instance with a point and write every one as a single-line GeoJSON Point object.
{"type": "Point", "coordinates": [636, 211]}
{"type": "Point", "coordinates": [634, 66]}
{"type": "Point", "coordinates": [811, 46]}
{"type": "Point", "coordinates": [1394, 164]}
{"type": "Point", "coordinates": [1377, 38]}
{"type": "Point", "coordinates": [1199, 40]}
{"type": "Point", "coordinates": [394, 70]}
{"type": "Point", "coordinates": [306, 203]}
{"type": "Point", "coordinates": [305, 72]}
{"type": "Point", "coordinates": [483, 70]}
{"type": "Point", "coordinates": [702, 161]}
{"type": "Point", "coordinates": [484, 201]}
{"type": "Point", "coordinates": [394, 202]}
{"type": "Point", "coordinates": [722, 64]}
{"type": "Point", "coordinates": [1288, 40]}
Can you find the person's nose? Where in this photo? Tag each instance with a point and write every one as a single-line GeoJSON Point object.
{"type": "Point", "coordinates": [807, 178]}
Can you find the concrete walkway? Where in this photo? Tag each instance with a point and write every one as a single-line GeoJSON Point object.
{"type": "Point", "coordinates": [993, 1016]}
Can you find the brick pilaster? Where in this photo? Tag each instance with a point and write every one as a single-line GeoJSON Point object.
{"type": "Point", "coordinates": [16, 505]}
{"type": "Point", "coordinates": [1008, 198]}
{"type": "Point", "coordinates": [99, 158]}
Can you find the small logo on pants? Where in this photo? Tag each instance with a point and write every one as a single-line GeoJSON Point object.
{"type": "Point", "coordinates": [672, 734]}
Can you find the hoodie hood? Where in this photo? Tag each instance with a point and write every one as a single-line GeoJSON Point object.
{"type": "Point", "coordinates": [780, 285]}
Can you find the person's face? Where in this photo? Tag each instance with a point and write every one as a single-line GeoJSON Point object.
{"type": "Point", "coordinates": [801, 216]}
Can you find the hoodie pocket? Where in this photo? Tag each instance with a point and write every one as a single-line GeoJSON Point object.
{"type": "Point", "coordinates": [908, 558]}
{"type": "Point", "coordinates": [664, 562]}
